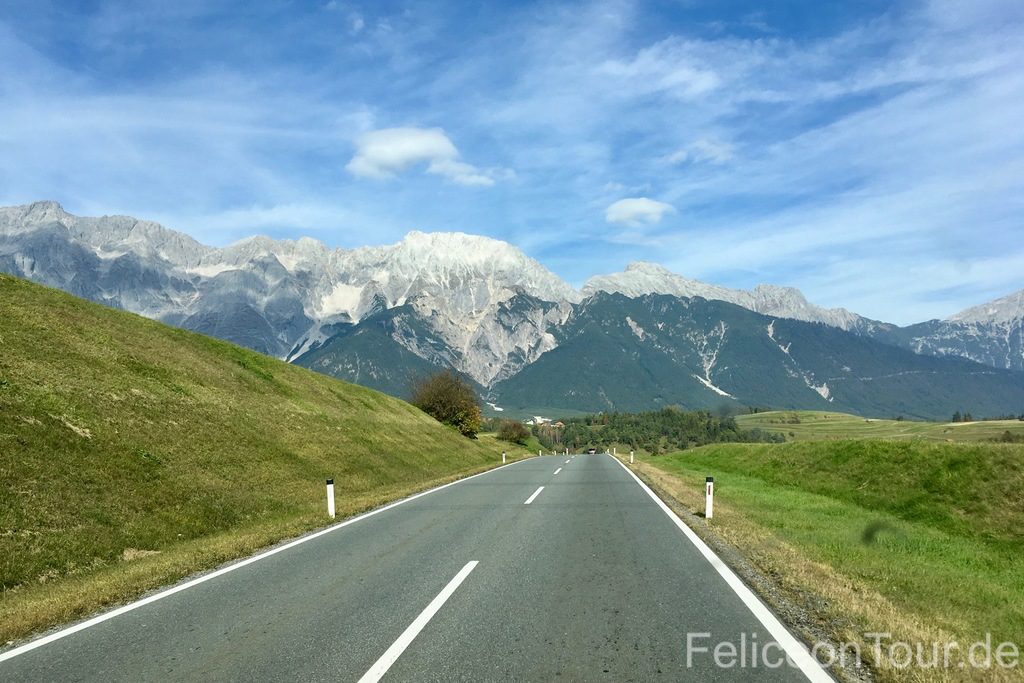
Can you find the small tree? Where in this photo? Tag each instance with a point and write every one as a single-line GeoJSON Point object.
{"type": "Point", "coordinates": [449, 399]}
{"type": "Point", "coordinates": [513, 432]}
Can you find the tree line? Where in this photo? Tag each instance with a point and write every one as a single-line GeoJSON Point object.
{"type": "Point", "coordinates": [967, 417]}
{"type": "Point", "coordinates": [659, 431]}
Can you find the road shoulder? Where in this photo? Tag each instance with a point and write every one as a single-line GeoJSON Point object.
{"type": "Point", "coordinates": [806, 613]}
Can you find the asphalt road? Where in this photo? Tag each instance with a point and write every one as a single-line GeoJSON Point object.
{"type": "Point", "coordinates": [589, 581]}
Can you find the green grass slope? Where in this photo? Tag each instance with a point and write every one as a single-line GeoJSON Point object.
{"type": "Point", "coordinates": [133, 453]}
{"type": "Point", "coordinates": [969, 489]}
{"type": "Point", "coordinates": [800, 425]}
{"type": "Point", "coordinates": [920, 539]}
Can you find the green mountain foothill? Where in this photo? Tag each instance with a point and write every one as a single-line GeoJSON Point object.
{"type": "Point", "coordinates": [133, 453]}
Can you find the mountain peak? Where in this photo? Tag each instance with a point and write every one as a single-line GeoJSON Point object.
{"type": "Point", "coordinates": [1007, 309]}
{"type": "Point", "coordinates": [641, 277]}
{"type": "Point", "coordinates": [17, 218]}
{"type": "Point", "coordinates": [457, 257]}
{"type": "Point", "coordinates": [460, 246]}
{"type": "Point", "coordinates": [648, 267]}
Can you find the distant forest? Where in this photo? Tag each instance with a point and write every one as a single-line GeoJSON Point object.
{"type": "Point", "coordinates": [660, 431]}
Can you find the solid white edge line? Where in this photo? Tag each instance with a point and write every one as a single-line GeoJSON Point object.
{"type": "Point", "coordinates": [796, 651]}
{"type": "Point", "coordinates": [534, 496]}
{"type": "Point", "coordinates": [558, 470]}
{"type": "Point", "coordinates": [392, 654]}
{"type": "Point", "coordinates": [63, 633]}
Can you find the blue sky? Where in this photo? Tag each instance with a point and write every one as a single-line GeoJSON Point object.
{"type": "Point", "coordinates": [871, 154]}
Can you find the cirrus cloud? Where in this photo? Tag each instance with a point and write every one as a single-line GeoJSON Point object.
{"type": "Point", "coordinates": [703, 150]}
{"type": "Point", "coordinates": [637, 211]}
{"type": "Point", "coordinates": [387, 152]}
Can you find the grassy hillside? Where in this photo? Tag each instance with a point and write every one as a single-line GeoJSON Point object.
{"type": "Point", "coordinates": [132, 453]}
{"type": "Point", "coordinates": [800, 425]}
{"type": "Point", "coordinates": [922, 540]}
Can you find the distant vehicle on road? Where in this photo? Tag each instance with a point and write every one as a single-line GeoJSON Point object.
{"type": "Point", "coordinates": [591, 451]}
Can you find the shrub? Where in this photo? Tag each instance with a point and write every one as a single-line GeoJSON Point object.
{"type": "Point", "coordinates": [451, 400]}
{"type": "Point", "coordinates": [513, 432]}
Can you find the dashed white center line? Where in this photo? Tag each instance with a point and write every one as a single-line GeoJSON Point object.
{"type": "Point", "coordinates": [558, 470]}
{"type": "Point", "coordinates": [534, 496]}
{"type": "Point", "coordinates": [382, 665]}
{"type": "Point", "coordinates": [567, 461]}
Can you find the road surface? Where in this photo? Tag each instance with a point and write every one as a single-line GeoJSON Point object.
{"type": "Point", "coordinates": [547, 569]}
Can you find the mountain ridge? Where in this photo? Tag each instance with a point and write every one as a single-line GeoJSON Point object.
{"type": "Point", "coordinates": [637, 279]}
{"type": "Point", "coordinates": [473, 304]}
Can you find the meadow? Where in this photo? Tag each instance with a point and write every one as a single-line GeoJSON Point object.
{"type": "Point", "coordinates": [800, 425]}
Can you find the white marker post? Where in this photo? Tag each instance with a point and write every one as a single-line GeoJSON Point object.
{"type": "Point", "coordinates": [330, 498]}
{"type": "Point", "coordinates": [539, 454]}
{"type": "Point", "coordinates": [615, 451]}
{"type": "Point", "coordinates": [503, 457]}
{"type": "Point", "coordinates": [631, 457]}
{"type": "Point", "coordinates": [709, 498]}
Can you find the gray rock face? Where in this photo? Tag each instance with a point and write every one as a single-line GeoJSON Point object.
{"type": "Point", "coordinates": [287, 297]}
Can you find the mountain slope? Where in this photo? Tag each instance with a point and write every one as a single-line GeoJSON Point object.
{"type": "Point", "coordinates": [122, 437]}
{"type": "Point", "coordinates": [369, 353]}
{"type": "Point", "coordinates": [617, 353]}
{"type": "Point", "coordinates": [991, 333]}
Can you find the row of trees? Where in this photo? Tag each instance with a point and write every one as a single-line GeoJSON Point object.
{"type": "Point", "coordinates": [656, 431]}
{"type": "Point", "coordinates": [967, 417]}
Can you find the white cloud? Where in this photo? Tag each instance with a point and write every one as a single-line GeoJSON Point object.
{"type": "Point", "coordinates": [383, 153]}
{"type": "Point", "coordinates": [387, 152]}
{"type": "Point", "coordinates": [703, 150]}
{"type": "Point", "coordinates": [637, 211]}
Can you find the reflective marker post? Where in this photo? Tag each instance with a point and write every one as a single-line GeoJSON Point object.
{"type": "Point", "coordinates": [330, 498]}
{"type": "Point", "coordinates": [709, 498]}
{"type": "Point", "coordinates": [631, 457]}
{"type": "Point", "coordinates": [503, 457]}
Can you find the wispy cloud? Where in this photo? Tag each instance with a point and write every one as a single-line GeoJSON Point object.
{"type": "Point", "coordinates": [711, 151]}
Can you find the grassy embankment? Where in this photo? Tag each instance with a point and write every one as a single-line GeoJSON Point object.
{"type": "Point", "coordinates": [921, 540]}
{"type": "Point", "coordinates": [133, 454]}
{"type": "Point", "coordinates": [802, 425]}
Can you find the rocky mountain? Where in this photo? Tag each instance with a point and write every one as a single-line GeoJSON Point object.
{"type": "Point", "coordinates": [641, 278]}
{"type": "Point", "coordinates": [992, 333]}
{"type": "Point", "coordinates": [621, 353]}
{"type": "Point", "coordinates": [286, 298]}
{"type": "Point", "coordinates": [383, 315]}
